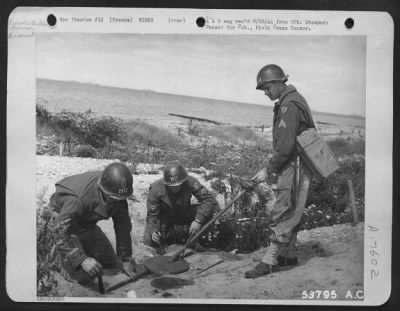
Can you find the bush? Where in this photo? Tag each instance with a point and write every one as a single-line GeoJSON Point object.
{"type": "Point", "coordinates": [85, 151]}
{"type": "Point", "coordinates": [144, 134]}
{"type": "Point", "coordinates": [320, 216]}
{"type": "Point", "coordinates": [328, 199]}
{"type": "Point", "coordinates": [342, 147]}
{"type": "Point", "coordinates": [43, 116]}
{"type": "Point", "coordinates": [245, 226]}
{"type": "Point", "coordinates": [96, 134]}
{"type": "Point", "coordinates": [48, 260]}
{"type": "Point", "coordinates": [67, 125]}
{"type": "Point", "coordinates": [243, 234]}
{"type": "Point", "coordinates": [87, 129]}
{"type": "Point", "coordinates": [103, 131]}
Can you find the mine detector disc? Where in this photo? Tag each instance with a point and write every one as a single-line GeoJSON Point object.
{"type": "Point", "coordinates": [161, 265]}
{"type": "Point", "coordinates": [168, 282]}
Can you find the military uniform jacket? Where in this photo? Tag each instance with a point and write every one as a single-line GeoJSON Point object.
{"type": "Point", "coordinates": [292, 116]}
{"type": "Point", "coordinates": [160, 200]}
{"type": "Point", "coordinates": [80, 205]}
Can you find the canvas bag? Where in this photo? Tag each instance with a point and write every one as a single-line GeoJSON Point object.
{"type": "Point", "coordinates": [316, 153]}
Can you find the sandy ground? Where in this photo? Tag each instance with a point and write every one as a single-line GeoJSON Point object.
{"type": "Point", "coordinates": [330, 258]}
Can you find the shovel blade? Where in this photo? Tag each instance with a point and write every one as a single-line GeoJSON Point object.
{"type": "Point", "coordinates": [162, 265]}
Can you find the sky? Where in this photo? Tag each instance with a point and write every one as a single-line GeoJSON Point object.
{"type": "Point", "coordinates": [329, 71]}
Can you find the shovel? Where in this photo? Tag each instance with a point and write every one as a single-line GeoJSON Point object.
{"type": "Point", "coordinates": [136, 277]}
{"type": "Point", "coordinates": [158, 265]}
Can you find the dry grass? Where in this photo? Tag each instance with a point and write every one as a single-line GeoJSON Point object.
{"type": "Point", "coordinates": [233, 134]}
{"type": "Point", "coordinates": [142, 133]}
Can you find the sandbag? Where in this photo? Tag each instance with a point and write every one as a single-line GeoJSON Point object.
{"type": "Point", "coordinates": [316, 153]}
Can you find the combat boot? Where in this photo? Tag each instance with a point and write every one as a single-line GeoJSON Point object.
{"type": "Point", "coordinates": [287, 261]}
{"type": "Point", "coordinates": [259, 270]}
{"type": "Point", "coordinates": [286, 257]}
{"type": "Point", "coordinates": [269, 263]}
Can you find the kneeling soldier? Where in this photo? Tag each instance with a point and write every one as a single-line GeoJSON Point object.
{"type": "Point", "coordinates": [80, 201]}
{"type": "Point", "coordinates": [168, 204]}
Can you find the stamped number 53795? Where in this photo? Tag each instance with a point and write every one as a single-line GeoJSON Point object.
{"type": "Point", "coordinates": [318, 294]}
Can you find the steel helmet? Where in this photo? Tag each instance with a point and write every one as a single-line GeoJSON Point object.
{"type": "Point", "coordinates": [174, 174]}
{"type": "Point", "coordinates": [270, 73]}
{"type": "Point", "coordinates": [116, 181]}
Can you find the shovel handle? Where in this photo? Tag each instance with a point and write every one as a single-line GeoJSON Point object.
{"type": "Point", "coordinates": [182, 250]}
{"type": "Point", "coordinates": [204, 228]}
{"type": "Point", "coordinates": [101, 285]}
{"type": "Point", "coordinates": [124, 282]}
{"type": "Point", "coordinates": [100, 278]}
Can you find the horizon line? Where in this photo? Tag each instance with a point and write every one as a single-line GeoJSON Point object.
{"type": "Point", "coordinates": [185, 95]}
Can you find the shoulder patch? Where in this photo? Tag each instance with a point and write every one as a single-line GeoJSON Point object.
{"type": "Point", "coordinates": [203, 190]}
{"type": "Point", "coordinates": [196, 185]}
{"type": "Point", "coordinates": [282, 124]}
{"type": "Point", "coordinates": [284, 109]}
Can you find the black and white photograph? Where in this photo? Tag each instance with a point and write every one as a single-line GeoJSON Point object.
{"type": "Point", "coordinates": [203, 166]}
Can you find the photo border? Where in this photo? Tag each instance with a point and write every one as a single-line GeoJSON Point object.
{"type": "Point", "coordinates": [395, 169]}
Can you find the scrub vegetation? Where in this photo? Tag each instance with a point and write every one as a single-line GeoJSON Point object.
{"type": "Point", "coordinates": [222, 152]}
{"type": "Point", "coordinates": [48, 260]}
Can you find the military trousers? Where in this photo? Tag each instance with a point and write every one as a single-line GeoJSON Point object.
{"type": "Point", "coordinates": [290, 199]}
{"type": "Point", "coordinates": [96, 245]}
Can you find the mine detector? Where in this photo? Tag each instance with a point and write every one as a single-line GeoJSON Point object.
{"type": "Point", "coordinates": [175, 264]}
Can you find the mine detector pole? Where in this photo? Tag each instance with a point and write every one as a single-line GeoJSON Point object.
{"type": "Point", "coordinates": [205, 227]}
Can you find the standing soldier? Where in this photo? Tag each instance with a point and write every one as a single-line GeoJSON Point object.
{"type": "Point", "coordinates": [80, 201]}
{"type": "Point", "coordinates": [168, 203]}
{"type": "Point", "coordinates": [291, 117]}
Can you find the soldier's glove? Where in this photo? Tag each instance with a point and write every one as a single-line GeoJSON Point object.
{"type": "Point", "coordinates": [92, 267]}
{"type": "Point", "coordinates": [248, 185]}
{"type": "Point", "coordinates": [261, 176]}
{"type": "Point", "coordinates": [129, 267]}
{"type": "Point", "coordinates": [156, 237]}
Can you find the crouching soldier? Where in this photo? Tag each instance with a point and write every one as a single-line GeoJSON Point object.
{"type": "Point", "coordinates": [80, 201]}
{"type": "Point", "coordinates": [168, 204]}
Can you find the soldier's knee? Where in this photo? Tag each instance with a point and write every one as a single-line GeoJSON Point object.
{"type": "Point", "coordinates": [71, 274]}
